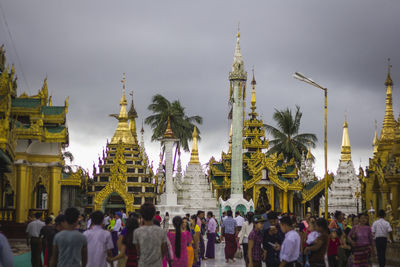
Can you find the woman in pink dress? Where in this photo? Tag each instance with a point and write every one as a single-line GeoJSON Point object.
{"type": "Point", "coordinates": [179, 241]}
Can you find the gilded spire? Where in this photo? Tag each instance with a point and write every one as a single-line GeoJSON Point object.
{"type": "Point", "coordinates": [168, 132]}
{"type": "Point", "coordinates": [309, 155]}
{"type": "Point", "coordinates": [376, 140]}
{"type": "Point", "coordinates": [389, 123]}
{"type": "Point", "coordinates": [346, 148]}
{"type": "Point", "coordinates": [238, 72]}
{"type": "Point", "coordinates": [123, 133]}
{"type": "Point", "coordinates": [253, 94]}
{"type": "Point", "coordinates": [132, 115]}
{"type": "Point", "coordinates": [194, 156]}
{"type": "Point", "coordinates": [389, 78]}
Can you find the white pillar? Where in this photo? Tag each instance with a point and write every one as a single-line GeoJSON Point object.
{"type": "Point", "coordinates": [171, 196]}
{"type": "Point", "coordinates": [237, 140]}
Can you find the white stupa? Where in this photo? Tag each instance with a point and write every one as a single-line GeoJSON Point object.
{"type": "Point", "coordinates": [194, 190]}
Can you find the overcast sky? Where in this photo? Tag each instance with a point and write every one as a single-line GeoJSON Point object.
{"type": "Point", "coordinates": [184, 50]}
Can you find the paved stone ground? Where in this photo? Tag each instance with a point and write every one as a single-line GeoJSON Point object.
{"type": "Point", "coordinates": [19, 247]}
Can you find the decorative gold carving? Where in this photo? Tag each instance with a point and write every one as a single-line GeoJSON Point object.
{"type": "Point", "coordinates": [40, 174]}
{"type": "Point", "coordinates": [117, 182]}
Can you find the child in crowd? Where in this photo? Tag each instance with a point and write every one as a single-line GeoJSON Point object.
{"type": "Point", "coordinates": [334, 243]}
{"type": "Point", "coordinates": [312, 233]}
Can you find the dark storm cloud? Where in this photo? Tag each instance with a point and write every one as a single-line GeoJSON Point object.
{"type": "Point", "coordinates": [184, 51]}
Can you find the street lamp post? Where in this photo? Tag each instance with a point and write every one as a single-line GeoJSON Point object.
{"type": "Point", "coordinates": [301, 77]}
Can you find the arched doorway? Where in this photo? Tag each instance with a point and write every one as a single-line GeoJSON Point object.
{"type": "Point", "coordinates": [262, 200]}
{"type": "Point", "coordinates": [41, 197]}
{"type": "Point", "coordinates": [113, 203]}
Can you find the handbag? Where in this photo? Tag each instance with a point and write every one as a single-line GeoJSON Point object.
{"type": "Point", "coordinates": [239, 253]}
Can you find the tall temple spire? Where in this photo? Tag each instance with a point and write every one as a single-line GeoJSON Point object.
{"type": "Point", "coordinates": [194, 156]}
{"type": "Point", "coordinates": [389, 123]}
{"type": "Point", "coordinates": [238, 78]}
{"type": "Point", "coordinates": [375, 142]}
{"type": "Point", "coordinates": [253, 94]}
{"type": "Point", "coordinates": [346, 148]}
{"type": "Point", "coordinates": [123, 133]}
{"type": "Point", "coordinates": [238, 63]}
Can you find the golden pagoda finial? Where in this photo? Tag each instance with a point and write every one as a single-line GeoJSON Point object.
{"type": "Point", "coordinates": [123, 133]}
{"type": "Point", "coordinates": [389, 78]}
{"type": "Point", "coordinates": [309, 155]}
{"type": "Point", "coordinates": [194, 156]}
{"type": "Point", "coordinates": [50, 101]}
{"type": "Point", "coordinates": [168, 132]}
{"type": "Point", "coordinates": [389, 123]}
{"type": "Point", "coordinates": [346, 148]}
{"type": "Point", "coordinates": [375, 142]}
{"type": "Point", "coordinates": [253, 94]}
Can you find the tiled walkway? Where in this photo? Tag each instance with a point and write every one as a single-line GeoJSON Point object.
{"type": "Point", "coordinates": [219, 260]}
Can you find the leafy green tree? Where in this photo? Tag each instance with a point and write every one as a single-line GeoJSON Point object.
{"type": "Point", "coordinates": [286, 137]}
{"type": "Point", "coordinates": [181, 124]}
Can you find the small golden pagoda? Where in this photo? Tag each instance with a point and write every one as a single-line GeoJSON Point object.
{"type": "Point", "coordinates": [123, 178]}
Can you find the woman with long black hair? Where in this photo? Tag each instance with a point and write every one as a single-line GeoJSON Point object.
{"type": "Point", "coordinates": [127, 248]}
{"type": "Point", "coordinates": [179, 240]}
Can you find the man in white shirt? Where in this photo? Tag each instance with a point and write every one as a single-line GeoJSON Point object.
{"type": "Point", "coordinates": [106, 221]}
{"type": "Point", "coordinates": [33, 230]}
{"type": "Point", "coordinates": [381, 228]}
{"type": "Point", "coordinates": [239, 220]}
{"type": "Point", "coordinates": [290, 248]}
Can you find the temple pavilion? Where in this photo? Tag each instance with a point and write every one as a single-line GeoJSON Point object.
{"type": "Point", "coordinates": [33, 134]}
{"type": "Point", "coordinates": [123, 178]}
{"type": "Point", "coordinates": [267, 179]}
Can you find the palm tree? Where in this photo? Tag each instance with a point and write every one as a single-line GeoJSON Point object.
{"type": "Point", "coordinates": [67, 155]}
{"type": "Point", "coordinates": [287, 139]}
{"type": "Point", "coordinates": [181, 124]}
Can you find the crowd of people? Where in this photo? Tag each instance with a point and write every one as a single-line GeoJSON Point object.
{"type": "Point", "coordinates": [144, 238]}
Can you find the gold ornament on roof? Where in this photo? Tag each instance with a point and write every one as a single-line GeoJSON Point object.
{"type": "Point", "coordinates": [346, 148]}
{"type": "Point", "coordinates": [194, 156]}
{"type": "Point", "coordinates": [168, 132]}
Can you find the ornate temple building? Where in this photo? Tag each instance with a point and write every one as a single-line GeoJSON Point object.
{"type": "Point", "coordinates": [380, 182]}
{"type": "Point", "coordinates": [266, 179]}
{"type": "Point", "coordinates": [194, 190]}
{"type": "Point", "coordinates": [33, 134]}
{"type": "Point", "coordinates": [123, 178]}
{"type": "Point", "coordinates": [344, 191]}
